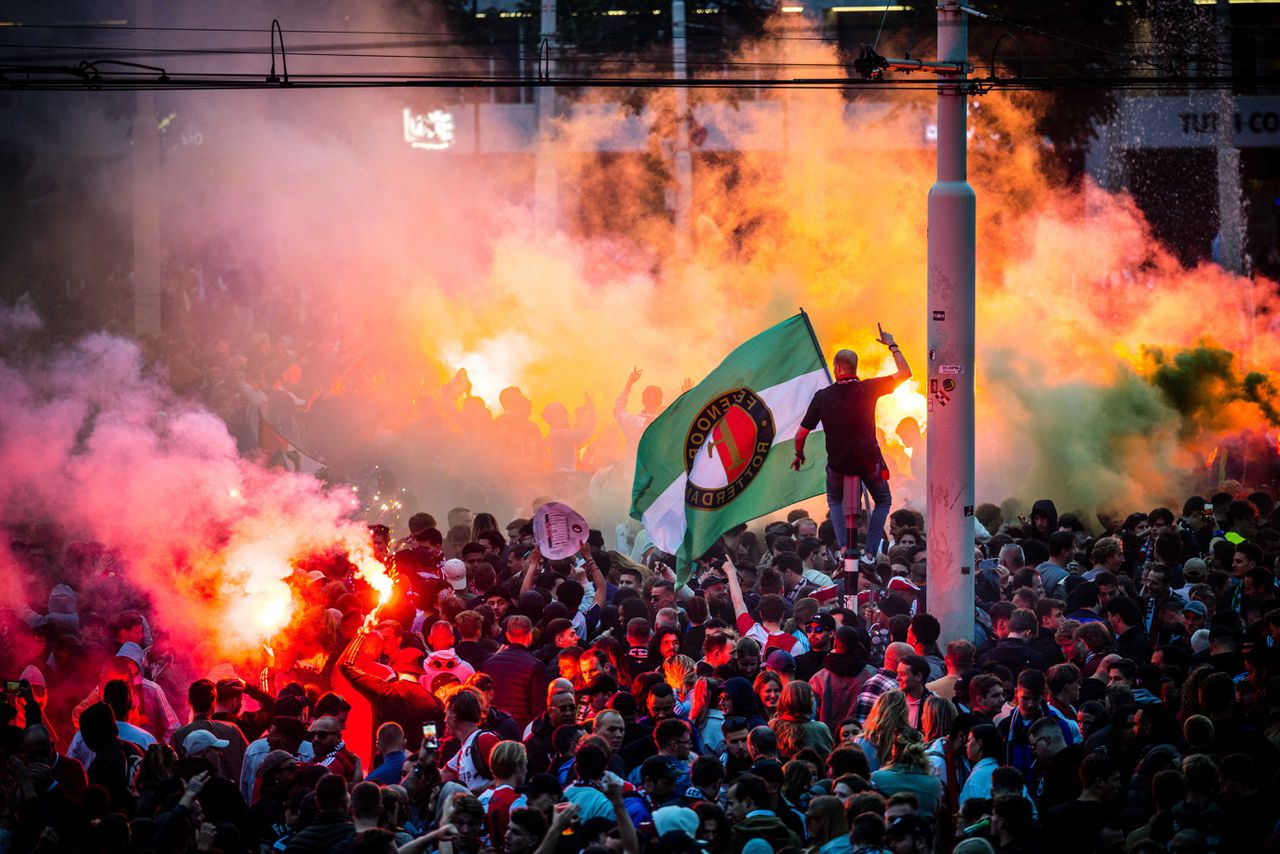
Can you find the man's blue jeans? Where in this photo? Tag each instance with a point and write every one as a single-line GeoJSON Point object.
{"type": "Point", "coordinates": [879, 489]}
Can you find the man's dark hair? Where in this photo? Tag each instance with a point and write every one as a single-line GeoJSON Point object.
{"type": "Point", "coordinates": [119, 696]}
{"type": "Point", "coordinates": [926, 628]}
{"type": "Point", "coordinates": [591, 761]}
{"type": "Point", "coordinates": [751, 788]}
{"type": "Point", "coordinates": [988, 737]}
{"type": "Point", "coordinates": [669, 730]}
{"type": "Point", "coordinates": [201, 695]}
{"type": "Point", "coordinates": [1031, 680]}
{"type": "Point", "coordinates": [1046, 606]}
{"type": "Point", "coordinates": [1241, 511]}
{"type": "Point", "coordinates": [542, 784]}
{"type": "Point", "coordinates": [1168, 549]}
{"type": "Point", "coordinates": [1023, 620]}
{"type": "Point", "coordinates": [789, 562]}
{"type": "Point", "coordinates": [530, 820]}
{"type": "Point", "coordinates": [807, 546]}
{"type": "Point", "coordinates": [1008, 778]}
{"type": "Point", "coordinates": [1061, 541]}
{"type": "Point", "coordinates": [763, 740]}
{"type": "Point", "coordinates": [564, 737]}
{"type": "Point", "coordinates": [772, 609]}
{"type": "Point", "coordinates": [1261, 578]}
{"type": "Point", "coordinates": [785, 544]}
{"type": "Point", "coordinates": [902, 518]}
{"type": "Point", "coordinates": [868, 831]}
{"type": "Point", "coordinates": [1097, 767]}
{"type": "Point", "coordinates": [467, 705]}
{"type": "Point", "coordinates": [366, 800]}
{"type": "Point", "coordinates": [734, 724]}
{"type": "Point", "coordinates": [570, 594]}
{"type": "Point", "coordinates": [331, 793]}
{"type": "Point", "coordinates": [1250, 551]}
{"type": "Point", "coordinates": [1123, 608]}
{"type": "Point", "coordinates": [125, 621]}
{"type": "Point", "coordinates": [1060, 676]}
{"type": "Point", "coordinates": [1168, 789]}
{"type": "Point", "coordinates": [1217, 693]}
{"type": "Point", "coordinates": [980, 685]}
{"type": "Point", "coordinates": [331, 703]}
{"type": "Point", "coordinates": [848, 759]}
{"type": "Point", "coordinates": [1128, 669]}
{"type": "Point", "coordinates": [919, 665]}
{"type": "Point", "coordinates": [1015, 815]}
{"type": "Point", "coordinates": [661, 690]}
{"type": "Point", "coordinates": [1035, 552]}
{"type": "Point", "coordinates": [471, 548]}
{"type": "Point", "coordinates": [706, 773]}
{"type": "Point", "coordinates": [715, 643]}
{"type": "Point", "coordinates": [1001, 611]}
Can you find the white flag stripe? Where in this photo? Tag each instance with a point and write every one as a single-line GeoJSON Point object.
{"type": "Point", "coordinates": [664, 519]}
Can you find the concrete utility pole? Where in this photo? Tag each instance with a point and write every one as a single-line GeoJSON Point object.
{"type": "Point", "coordinates": [952, 229]}
{"type": "Point", "coordinates": [545, 202]}
{"type": "Point", "coordinates": [683, 158]}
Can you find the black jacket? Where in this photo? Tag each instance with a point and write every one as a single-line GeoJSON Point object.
{"type": "Point", "coordinates": [1015, 654]}
{"type": "Point", "coordinates": [538, 745]}
{"type": "Point", "coordinates": [327, 832]}
{"type": "Point", "coordinates": [1134, 645]}
{"type": "Point", "coordinates": [519, 683]}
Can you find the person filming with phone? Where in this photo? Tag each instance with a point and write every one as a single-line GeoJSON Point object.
{"type": "Point", "coordinates": [847, 411]}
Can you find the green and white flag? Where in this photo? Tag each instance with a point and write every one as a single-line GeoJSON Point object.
{"type": "Point", "coordinates": [721, 453]}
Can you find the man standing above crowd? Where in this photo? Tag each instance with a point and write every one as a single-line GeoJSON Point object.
{"type": "Point", "coordinates": [847, 412]}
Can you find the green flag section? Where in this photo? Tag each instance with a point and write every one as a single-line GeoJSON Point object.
{"type": "Point", "coordinates": [721, 454]}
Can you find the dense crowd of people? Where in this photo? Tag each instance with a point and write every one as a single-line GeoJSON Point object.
{"type": "Point", "coordinates": [1121, 694]}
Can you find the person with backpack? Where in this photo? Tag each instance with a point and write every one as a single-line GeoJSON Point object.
{"type": "Point", "coordinates": [843, 675]}
{"type": "Point", "coordinates": [470, 764]}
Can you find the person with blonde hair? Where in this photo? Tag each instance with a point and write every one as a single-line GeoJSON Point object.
{"type": "Point", "coordinates": [936, 719]}
{"type": "Point", "coordinates": [676, 670]}
{"type": "Point", "coordinates": [509, 764]}
{"type": "Point", "coordinates": [827, 823]}
{"type": "Point", "coordinates": [794, 724]}
{"type": "Point", "coordinates": [910, 771]}
{"type": "Point", "coordinates": [889, 715]}
{"type": "Point", "coordinates": [705, 714]}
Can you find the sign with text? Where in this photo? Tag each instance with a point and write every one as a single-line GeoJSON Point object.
{"type": "Point", "coordinates": [559, 530]}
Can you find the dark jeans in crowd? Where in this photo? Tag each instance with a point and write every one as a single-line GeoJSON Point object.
{"type": "Point", "coordinates": [879, 489]}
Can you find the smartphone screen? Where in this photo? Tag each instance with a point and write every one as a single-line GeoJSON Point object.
{"type": "Point", "coordinates": [429, 735]}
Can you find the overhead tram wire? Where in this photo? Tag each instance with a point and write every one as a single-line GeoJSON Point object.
{"type": "Point", "coordinates": [30, 77]}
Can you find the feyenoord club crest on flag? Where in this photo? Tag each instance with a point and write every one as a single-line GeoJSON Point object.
{"type": "Point", "coordinates": [736, 432]}
{"type": "Point", "coordinates": [713, 458]}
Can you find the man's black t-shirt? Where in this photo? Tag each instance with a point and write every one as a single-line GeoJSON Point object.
{"type": "Point", "coordinates": [847, 411]}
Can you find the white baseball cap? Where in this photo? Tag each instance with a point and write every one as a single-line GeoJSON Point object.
{"type": "Point", "coordinates": [455, 572]}
{"type": "Point", "coordinates": [200, 741]}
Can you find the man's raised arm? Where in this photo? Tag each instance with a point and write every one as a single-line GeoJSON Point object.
{"type": "Point", "coordinates": [735, 588]}
{"type": "Point", "coordinates": [900, 361]}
